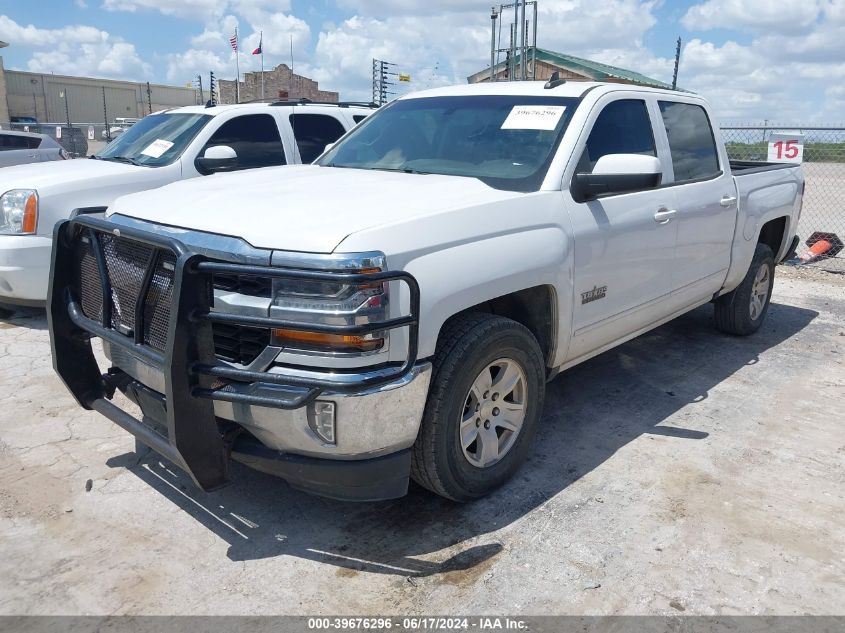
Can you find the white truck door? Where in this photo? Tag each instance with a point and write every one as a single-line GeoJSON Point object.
{"type": "Point", "coordinates": [707, 203]}
{"type": "Point", "coordinates": [623, 243]}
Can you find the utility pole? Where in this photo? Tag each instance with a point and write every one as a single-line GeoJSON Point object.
{"type": "Point", "coordinates": [199, 83]}
{"type": "Point", "coordinates": [149, 99]}
{"type": "Point", "coordinates": [677, 61]}
{"type": "Point", "coordinates": [493, 15]}
{"type": "Point", "coordinates": [522, 36]}
{"type": "Point", "coordinates": [106, 117]}
{"type": "Point", "coordinates": [64, 94]}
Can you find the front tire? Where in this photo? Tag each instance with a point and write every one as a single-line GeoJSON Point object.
{"type": "Point", "coordinates": [483, 407]}
{"type": "Point", "coordinates": [742, 311]}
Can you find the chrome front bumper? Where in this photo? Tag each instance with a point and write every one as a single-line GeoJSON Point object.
{"type": "Point", "coordinates": [369, 423]}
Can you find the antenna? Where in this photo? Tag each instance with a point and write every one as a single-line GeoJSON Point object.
{"type": "Point", "coordinates": [554, 81]}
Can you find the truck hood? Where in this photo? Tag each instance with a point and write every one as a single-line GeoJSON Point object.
{"type": "Point", "coordinates": [303, 208]}
{"type": "Point", "coordinates": [63, 175]}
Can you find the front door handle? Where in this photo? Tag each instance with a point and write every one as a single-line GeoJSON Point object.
{"type": "Point", "coordinates": [664, 215]}
{"type": "Point", "coordinates": [727, 201]}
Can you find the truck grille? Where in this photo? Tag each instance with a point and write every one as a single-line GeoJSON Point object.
{"type": "Point", "coordinates": [238, 343]}
{"type": "Point", "coordinates": [251, 285]}
{"type": "Point", "coordinates": [128, 264]}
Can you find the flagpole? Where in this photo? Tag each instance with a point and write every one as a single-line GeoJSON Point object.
{"type": "Point", "coordinates": [261, 45]}
{"type": "Point", "coordinates": [237, 69]}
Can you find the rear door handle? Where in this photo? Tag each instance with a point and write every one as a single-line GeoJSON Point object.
{"type": "Point", "coordinates": [664, 215]}
{"type": "Point", "coordinates": [728, 201]}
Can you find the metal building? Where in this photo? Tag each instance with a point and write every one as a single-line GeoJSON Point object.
{"type": "Point", "coordinates": [44, 96]}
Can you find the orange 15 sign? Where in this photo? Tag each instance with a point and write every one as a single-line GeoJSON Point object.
{"type": "Point", "coordinates": [786, 148]}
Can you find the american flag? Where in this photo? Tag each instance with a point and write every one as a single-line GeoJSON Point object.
{"type": "Point", "coordinates": [234, 42]}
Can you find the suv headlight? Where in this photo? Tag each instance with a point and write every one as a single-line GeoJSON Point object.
{"type": "Point", "coordinates": [332, 303]}
{"type": "Point", "coordinates": [19, 211]}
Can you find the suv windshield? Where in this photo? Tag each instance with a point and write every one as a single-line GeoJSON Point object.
{"type": "Point", "coordinates": [506, 141]}
{"type": "Point", "coordinates": [155, 140]}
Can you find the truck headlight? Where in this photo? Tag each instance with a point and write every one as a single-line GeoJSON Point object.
{"type": "Point", "coordinates": [333, 304]}
{"type": "Point", "coordinates": [19, 211]}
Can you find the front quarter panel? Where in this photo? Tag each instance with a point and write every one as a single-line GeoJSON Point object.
{"type": "Point", "coordinates": [464, 257]}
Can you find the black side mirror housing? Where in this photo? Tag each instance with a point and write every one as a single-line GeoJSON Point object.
{"type": "Point", "coordinates": [217, 158]}
{"type": "Point", "coordinates": [590, 186]}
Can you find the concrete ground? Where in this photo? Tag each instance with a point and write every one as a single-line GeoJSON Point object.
{"type": "Point", "coordinates": [685, 471]}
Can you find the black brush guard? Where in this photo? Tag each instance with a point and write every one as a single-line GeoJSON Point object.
{"type": "Point", "coordinates": [193, 376]}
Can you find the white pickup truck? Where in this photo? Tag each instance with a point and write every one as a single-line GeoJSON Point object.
{"type": "Point", "coordinates": [395, 309]}
{"type": "Point", "coordinates": [159, 149]}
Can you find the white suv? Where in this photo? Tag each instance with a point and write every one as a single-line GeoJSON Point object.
{"type": "Point", "coordinates": [161, 148]}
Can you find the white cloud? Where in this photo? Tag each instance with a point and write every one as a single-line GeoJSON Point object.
{"type": "Point", "coordinates": [76, 50]}
{"type": "Point", "coordinates": [210, 39]}
{"type": "Point", "coordinates": [200, 9]}
{"type": "Point", "coordinates": [183, 67]}
{"type": "Point", "coordinates": [389, 8]}
{"type": "Point", "coordinates": [783, 16]}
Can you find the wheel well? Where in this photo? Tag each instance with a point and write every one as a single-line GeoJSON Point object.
{"type": "Point", "coordinates": [772, 234]}
{"type": "Point", "coordinates": [533, 307]}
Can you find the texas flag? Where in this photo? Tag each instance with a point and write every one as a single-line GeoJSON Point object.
{"type": "Point", "coordinates": [258, 51]}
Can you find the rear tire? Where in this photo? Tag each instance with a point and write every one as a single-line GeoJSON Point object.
{"type": "Point", "coordinates": [488, 381]}
{"type": "Point", "coordinates": [741, 312]}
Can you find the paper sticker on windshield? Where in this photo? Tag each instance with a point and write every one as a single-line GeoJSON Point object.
{"type": "Point", "coordinates": [157, 148]}
{"type": "Point", "coordinates": [534, 117]}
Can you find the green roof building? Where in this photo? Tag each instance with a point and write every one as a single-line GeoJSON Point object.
{"type": "Point", "coordinates": [569, 67]}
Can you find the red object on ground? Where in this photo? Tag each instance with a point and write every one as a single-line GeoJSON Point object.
{"type": "Point", "coordinates": [821, 245]}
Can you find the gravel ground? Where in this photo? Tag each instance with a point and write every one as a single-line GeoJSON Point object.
{"type": "Point", "coordinates": [685, 471]}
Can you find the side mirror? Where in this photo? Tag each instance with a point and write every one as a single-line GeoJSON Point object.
{"type": "Point", "coordinates": [217, 158]}
{"type": "Point", "coordinates": [618, 173]}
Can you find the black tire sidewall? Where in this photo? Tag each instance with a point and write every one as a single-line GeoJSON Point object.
{"type": "Point", "coordinates": [762, 257]}
{"type": "Point", "coordinates": [515, 343]}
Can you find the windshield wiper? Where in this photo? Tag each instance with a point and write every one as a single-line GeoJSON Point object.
{"type": "Point", "coordinates": [406, 170]}
{"type": "Point", "coordinates": [122, 159]}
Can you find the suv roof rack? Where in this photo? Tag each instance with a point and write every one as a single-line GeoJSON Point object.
{"type": "Point", "coordinates": [340, 104]}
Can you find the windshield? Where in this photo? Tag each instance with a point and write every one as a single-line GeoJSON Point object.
{"type": "Point", "coordinates": [506, 141]}
{"type": "Point", "coordinates": [155, 140]}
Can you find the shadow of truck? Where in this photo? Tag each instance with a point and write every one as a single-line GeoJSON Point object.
{"type": "Point", "coordinates": [591, 412]}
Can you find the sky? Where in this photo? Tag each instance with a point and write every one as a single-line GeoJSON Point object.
{"type": "Point", "coordinates": [776, 60]}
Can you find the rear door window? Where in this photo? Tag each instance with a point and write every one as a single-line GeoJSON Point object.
{"type": "Point", "coordinates": [13, 141]}
{"type": "Point", "coordinates": [255, 139]}
{"type": "Point", "coordinates": [691, 141]}
{"type": "Point", "coordinates": [622, 127]}
{"type": "Point", "coordinates": [313, 132]}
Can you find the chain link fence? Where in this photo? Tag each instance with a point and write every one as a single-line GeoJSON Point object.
{"type": "Point", "coordinates": [78, 139]}
{"type": "Point", "coordinates": [824, 171]}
